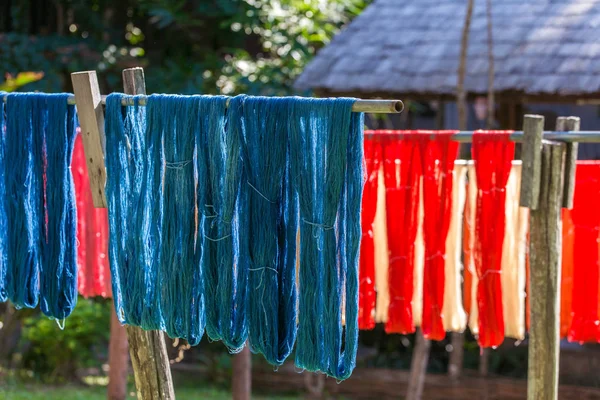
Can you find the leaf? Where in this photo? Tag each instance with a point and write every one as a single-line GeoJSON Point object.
{"type": "Point", "coordinates": [23, 78]}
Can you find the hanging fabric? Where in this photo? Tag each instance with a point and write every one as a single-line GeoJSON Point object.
{"type": "Point", "coordinates": [418, 263]}
{"type": "Point", "coordinates": [453, 315]}
{"type": "Point", "coordinates": [586, 222]}
{"type": "Point", "coordinates": [41, 255]}
{"type": "Point", "coordinates": [93, 271]}
{"type": "Point", "coordinates": [492, 154]}
{"type": "Point", "coordinates": [272, 228]}
{"type": "Point", "coordinates": [567, 268]}
{"type": "Point", "coordinates": [470, 274]}
{"type": "Point", "coordinates": [326, 150]}
{"type": "Point", "coordinates": [513, 258]}
{"type": "Point", "coordinates": [437, 156]}
{"type": "Point", "coordinates": [366, 297]}
{"type": "Point", "coordinates": [380, 240]}
{"type": "Point", "coordinates": [402, 168]}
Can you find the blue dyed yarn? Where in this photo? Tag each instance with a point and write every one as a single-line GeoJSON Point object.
{"type": "Point", "coordinates": [132, 264]}
{"type": "Point", "coordinates": [24, 197]}
{"type": "Point", "coordinates": [229, 229]}
{"type": "Point", "coordinates": [323, 139]}
{"type": "Point", "coordinates": [174, 121]}
{"type": "Point", "coordinates": [3, 233]}
{"type": "Point", "coordinates": [212, 116]}
{"type": "Point", "coordinates": [39, 202]}
{"type": "Point", "coordinates": [272, 228]}
{"type": "Point", "coordinates": [58, 273]}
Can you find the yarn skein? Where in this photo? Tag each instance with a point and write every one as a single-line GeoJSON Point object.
{"type": "Point", "coordinates": [3, 233]}
{"type": "Point", "coordinates": [320, 130]}
{"type": "Point", "coordinates": [273, 226]}
{"type": "Point", "coordinates": [58, 272]}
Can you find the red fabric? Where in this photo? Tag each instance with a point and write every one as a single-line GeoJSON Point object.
{"type": "Point", "coordinates": [92, 233]}
{"type": "Point", "coordinates": [492, 153]}
{"type": "Point", "coordinates": [366, 297]}
{"type": "Point", "coordinates": [402, 169]}
{"type": "Point", "coordinates": [586, 222]}
{"type": "Point", "coordinates": [566, 277]}
{"type": "Point", "coordinates": [438, 154]}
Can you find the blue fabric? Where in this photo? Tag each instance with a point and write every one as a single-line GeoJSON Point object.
{"type": "Point", "coordinates": [39, 203]}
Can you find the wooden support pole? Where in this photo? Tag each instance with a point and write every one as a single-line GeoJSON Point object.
{"type": "Point", "coordinates": [241, 380]}
{"type": "Point", "coordinates": [569, 124]}
{"type": "Point", "coordinates": [148, 352]}
{"type": "Point", "coordinates": [147, 349]}
{"type": "Point", "coordinates": [545, 258]}
{"type": "Point", "coordinates": [91, 121]}
{"type": "Point", "coordinates": [418, 367]}
{"type": "Point", "coordinates": [533, 127]}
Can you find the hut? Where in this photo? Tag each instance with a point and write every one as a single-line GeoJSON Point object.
{"type": "Point", "coordinates": [546, 56]}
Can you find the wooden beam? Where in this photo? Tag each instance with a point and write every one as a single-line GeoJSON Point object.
{"type": "Point", "coordinates": [545, 259]}
{"type": "Point", "coordinates": [533, 126]}
{"type": "Point", "coordinates": [569, 124]}
{"type": "Point", "coordinates": [91, 121]}
{"type": "Point", "coordinates": [151, 366]}
{"type": "Point", "coordinates": [418, 367]}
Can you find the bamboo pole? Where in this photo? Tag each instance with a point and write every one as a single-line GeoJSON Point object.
{"type": "Point", "coordinates": [366, 106]}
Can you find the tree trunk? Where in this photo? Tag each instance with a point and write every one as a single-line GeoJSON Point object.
{"type": "Point", "coordinates": [118, 359]}
{"type": "Point", "coordinates": [241, 381]}
{"type": "Point", "coordinates": [458, 339]}
{"type": "Point", "coordinates": [491, 101]}
{"type": "Point", "coordinates": [418, 367]}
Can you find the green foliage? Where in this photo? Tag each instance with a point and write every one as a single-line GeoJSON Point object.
{"type": "Point", "coordinates": [186, 46]}
{"type": "Point", "coordinates": [55, 354]}
{"type": "Point", "coordinates": [23, 78]}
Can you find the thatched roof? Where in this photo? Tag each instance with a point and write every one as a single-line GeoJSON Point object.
{"type": "Point", "coordinates": [411, 47]}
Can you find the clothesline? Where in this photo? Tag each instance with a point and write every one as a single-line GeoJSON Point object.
{"type": "Point", "coordinates": [366, 106]}
{"type": "Point", "coordinates": [516, 136]}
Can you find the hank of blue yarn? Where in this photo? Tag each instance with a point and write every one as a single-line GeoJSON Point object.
{"type": "Point", "coordinates": [174, 122]}
{"type": "Point", "coordinates": [272, 210]}
{"type": "Point", "coordinates": [24, 196]}
{"type": "Point", "coordinates": [230, 227]}
{"type": "Point", "coordinates": [134, 235]}
{"type": "Point", "coordinates": [58, 274]}
{"type": "Point", "coordinates": [39, 203]}
{"type": "Point", "coordinates": [213, 118]}
{"type": "Point", "coordinates": [328, 179]}
{"type": "Point", "coordinates": [3, 233]}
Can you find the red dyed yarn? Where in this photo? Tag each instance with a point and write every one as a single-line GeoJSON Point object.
{"type": "Point", "coordinates": [586, 222]}
{"type": "Point", "coordinates": [402, 169]}
{"type": "Point", "coordinates": [93, 272]}
{"type": "Point", "coordinates": [493, 153]}
{"type": "Point", "coordinates": [438, 154]}
{"type": "Point", "coordinates": [367, 297]}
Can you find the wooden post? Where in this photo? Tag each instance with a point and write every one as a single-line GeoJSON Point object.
{"type": "Point", "coordinates": [148, 352]}
{"type": "Point", "coordinates": [569, 124]}
{"type": "Point", "coordinates": [533, 127]}
{"type": "Point", "coordinates": [545, 257]}
{"type": "Point", "coordinates": [147, 349]}
{"type": "Point", "coordinates": [418, 367]}
{"type": "Point", "coordinates": [241, 380]}
{"type": "Point", "coordinates": [91, 121]}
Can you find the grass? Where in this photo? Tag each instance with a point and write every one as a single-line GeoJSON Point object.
{"type": "Point", "coordinates": [38, 391]}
